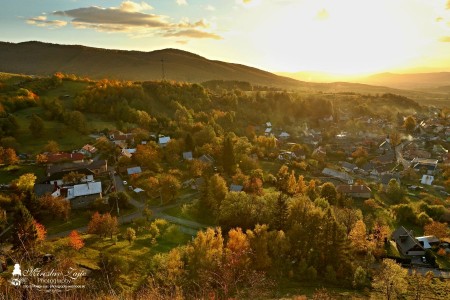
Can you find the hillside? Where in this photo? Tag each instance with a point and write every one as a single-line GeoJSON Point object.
{"type": "Point", "coordinates": [414, 81]}
{"type": "Point", "coordinates": [36, 58]}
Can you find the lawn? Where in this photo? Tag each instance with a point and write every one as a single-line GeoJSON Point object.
{"type": "Point", "coordinates": [78, 218]}
{"type": "Point", "coordinates": [137, 254]}
{"type": "Point", "coordinates": [9, 173]}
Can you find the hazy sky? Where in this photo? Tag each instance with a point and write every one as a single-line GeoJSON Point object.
{"type": "Point", "coordinates": [341, 36]}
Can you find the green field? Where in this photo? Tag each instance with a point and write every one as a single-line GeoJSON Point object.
{"type": "Point", "coordinates": [9, 173]}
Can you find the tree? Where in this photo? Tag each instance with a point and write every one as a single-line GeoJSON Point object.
{"type": "Point", "coordinates": [359, 278]}
{"type": "Point", "coordinates": [25, 233]}
{"type": "Point", "coordinates": [51, 146]}
{"type": "Point", "coordinates": [394, 191]}
{"type": "Point", "coordinates": [410, 123]}
{"type": "Point", "coordinates": [25, 182]}
{"type": "Point", "coordinates": [73, 177]}
{"type": "Point", "coordinates": [438, 229]}
{"type": "Point", "coordinates": [130, 235]}
{"type": "Point", "coordinates": [112, 266]}
{"type": "Point", "coordinates": [76, 242]}
{"type": "Point", "coordinates": [328, 191]}
{"type": "Point", "coordinates": [358, 237]}
{"type": "Point", "coordinates": [76, 120]}
{"type": "Point", "coordinates": [228, 158]}
{"type": "Point", "coordinates": [9, 156]}
{"type": "Point", "coordinates": [120, 199]}
{"type": "Point", "coordinates": [216, 192]}
{"type": "Point", "coordinates": [103, 225]}
{"type": "Point", "coordinates": [36, 125]}
{"type": "Point", "coordinates": [41, 232]}
{"type": "Point", "coordinates": [56, 206]}
{"type": "Point", "coordinates": [170, 186]}
{"type": "Point", "coordinates": [390, 281]}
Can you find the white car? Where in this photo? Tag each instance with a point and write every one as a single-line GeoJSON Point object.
{"type": "Point", "coordinates": [125, 183]}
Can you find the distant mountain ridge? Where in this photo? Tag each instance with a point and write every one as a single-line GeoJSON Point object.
{"type": "Point", "coordinates": [38, 58]}
{"type": "Point", "coordinates": [408, 81]}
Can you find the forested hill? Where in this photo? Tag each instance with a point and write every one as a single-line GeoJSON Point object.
{"type": "Point", "coordinates": [37, 58]}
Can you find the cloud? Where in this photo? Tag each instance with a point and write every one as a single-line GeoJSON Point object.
{"type": "Point", "coordinates": [193, 33]}
{"type": "Point", "coordinates": [182, 2]}
{"type": "Point", "coordinates": [445, 39]}
{"type": "Point", "coordinates": [439, 19]}
{"type": "Point", "coordinates": [133, 6]}
{"type": "Point", "coordinates": [130, 17]}
{"type": "Point", "coordinates": [42, 21]}
{"type": "Point", "coordinates": [448, 4]}
{"type": "Point", "coordinates": [112, 16]}
{"type": "Point", "coordinates": [209, 7]}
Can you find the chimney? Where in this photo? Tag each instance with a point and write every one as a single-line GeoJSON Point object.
{"type": "Point", "coordinates": [351, 186]}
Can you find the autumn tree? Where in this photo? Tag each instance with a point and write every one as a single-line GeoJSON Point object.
{"type": "Point", "coordinates": [8, 156]}
{"type": "Point", "coordinates": [390, 281]}
{"type": "Point", "coordinates": [56, 206]}
{"type": "Point", "coordinates": [170, 186]}
{"type": "Point", "coordinates": [130, 235]}
{"type": "Point", "coordinates": [25, 182]}
{"type": "Point", "coordinates": [410, 123]}
{"type": "Point", "coordinates": [216, 192]}
{"type": "Point", "coordinates": [103, 225]}
{"type": "Point", "coordinates": [357, 237]}
{"type": "Point", "coordinates": [438, 229]}
{"type": "Point", "coordinates": [76, 242]}
{"type": "Point", "coordinates": [41, 232]}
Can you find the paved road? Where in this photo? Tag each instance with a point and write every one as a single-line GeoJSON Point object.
{"type": "Point", "coordinates": [186, 226]}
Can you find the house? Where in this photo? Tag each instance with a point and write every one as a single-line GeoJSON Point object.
{"type": "Point", "coordinates": [319, 151]}
{"type": "Point", "coordinates": [406, 243]}
{"type": "Point", "coordinates": [96, 167]}
{"type": "Point", "coordinates": [54, 158]}
{"type": "Point", "coordinates": [428, 241]}
{"type": "Point", "coordinates": [206, 158]}
{"type": "Point", "coordinates": [284, 135]}
{"type": "Point", "coordinates": [268, 131]}
{"type": "Point", "coordinates": [348, 166]}
{"type": "Point", "coordinates": [354, 191]}
{"type": "Point", "coordinates": [88, 150]}
{"type": "Point", "coordinates": [40, 189]}
{"type": "Point", "coordinates": [429, 166]}
{"type": "Point", "coordinates": [57, 177]}
{"type": "Point", "coordinates": [384, 159]}
{"type": "Point", "coordinates": [385, 178]}
{"type": "Point", "coordinates": [338, 175]}
{"type": "Point", "coordinates": [187, 155]}
{"type": "Point", "coordinates": [163, 141]}
{"type": "Point", "coordinates": [128, 152]}
{"type": "Point", "coordinates": [236, 188]}
{"type": "Point", "coordinates": [286, 155]}
{"type": "Point", "coordinates": [134, 170]}
{"type": "Point", "coordinates": [80, 195]}
{"type": "Point", "coordinates": [427, 180]}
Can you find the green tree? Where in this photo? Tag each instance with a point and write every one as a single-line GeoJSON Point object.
{"type": "Point", "coordinates": [228, 158]}
{"type": "Point", "coordinates": [394, 191]}
{"type": "Point", "coordinates": [51, 146]}
{"type": "Point", "coordinates": [36, 125]}
{"type": "Point", "coordinates": [328, 191]}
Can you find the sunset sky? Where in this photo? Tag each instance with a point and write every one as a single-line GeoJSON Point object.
{"type": "Point", "coordinates": [338, 36]}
